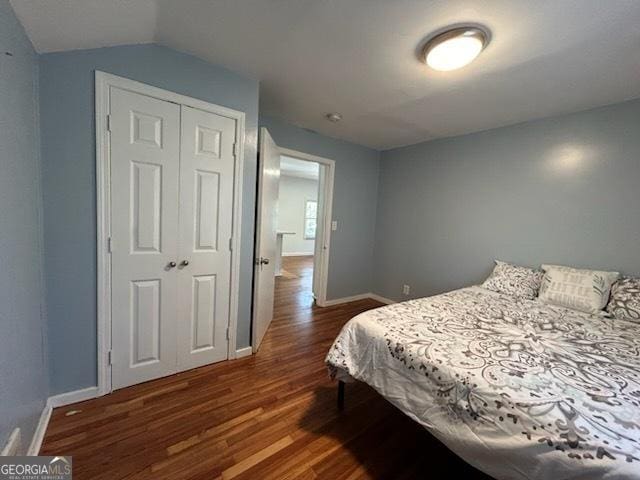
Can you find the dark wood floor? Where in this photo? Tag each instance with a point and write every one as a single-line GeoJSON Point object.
{"type": "Point", "coordinates": [269, 416]}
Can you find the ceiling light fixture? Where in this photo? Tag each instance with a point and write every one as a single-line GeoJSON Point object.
{"type": "Point", "coordinates": [334, 117]}
{"type": "Point", "coordinates": [455, 48]}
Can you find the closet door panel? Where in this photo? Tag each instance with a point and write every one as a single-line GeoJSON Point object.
{"type": "Point", "coordinates": [145, 161]}
{"type": "Point", "coordinates": [206, 207]}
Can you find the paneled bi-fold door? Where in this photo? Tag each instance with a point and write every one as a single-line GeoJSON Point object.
{"type": "Point", "coordinates": [172, 171]}
{"type": "Point", "coordinates": [206, 206]}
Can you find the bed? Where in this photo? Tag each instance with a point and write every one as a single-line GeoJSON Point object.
{"type": "Point", "coordinates": [517, 388]}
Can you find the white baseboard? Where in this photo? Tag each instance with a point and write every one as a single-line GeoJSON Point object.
{"type": "Point", "coordinates": [338, 301]}
{"type": "Point", "coordinates": [244, 352]}
{"type": "Point", "coordinates": [297, 254]}
{"type": "Point", "coordinates": [73, 397]}
{"type": "Point", "coordinates": [381, 299]}
{"type": "Point", "coordinates": [41, 429]}
{"type": "Point", "coordinates": [53, 402]}
{"type": "Point", "coordinates": [12, 447]}
{"type": "Point", "coordinates": [355, 298]}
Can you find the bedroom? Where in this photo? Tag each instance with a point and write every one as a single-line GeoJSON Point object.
{"type": "Point", "coordinates": [529, 154]}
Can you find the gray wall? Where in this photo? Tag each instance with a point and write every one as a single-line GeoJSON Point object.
{"type": "Point", "coordinates": [562, 190]}
{"type": "Point", "coordinates": [68, 155]}
{"type": "Point", "coordinates": [354, 204]}
{"type": "Point", "coordinates": [23, 371]}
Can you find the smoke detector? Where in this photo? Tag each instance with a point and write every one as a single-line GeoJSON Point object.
{"type": "Point", "coordinates": [334, 117]}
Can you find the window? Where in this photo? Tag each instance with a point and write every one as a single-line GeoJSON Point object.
{"type": "Point", "coordinates": [310, 219]}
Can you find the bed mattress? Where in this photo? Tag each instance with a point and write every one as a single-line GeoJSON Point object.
{"type": "Point", "coordinates": [518, 388]}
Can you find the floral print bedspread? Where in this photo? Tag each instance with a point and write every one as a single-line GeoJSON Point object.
{"type": "Point", "coordinates": [516, 387]}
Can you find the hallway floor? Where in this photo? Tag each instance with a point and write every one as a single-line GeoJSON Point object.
{"type": "Point", "coordinates": [269, 416]}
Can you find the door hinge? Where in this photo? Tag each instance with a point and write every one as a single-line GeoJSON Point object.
{"type": "Point", "coordinates": [109, 247]}
{"type": "Point", "coordinates": [236, 149]}
{"type": "Point", "coordinates": [227, 333]}
{"type": "Point", "coordinates": [231, 243]}
{"type": "Point", "coordinates": [110, 357]}
{"type": "Point", "coordinates": [108, 122]}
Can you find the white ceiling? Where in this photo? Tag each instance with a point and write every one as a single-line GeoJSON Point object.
{"type": "Point", "coordinates": [358, 57]}
{"type": "Point", "coordinates": [299, 168]}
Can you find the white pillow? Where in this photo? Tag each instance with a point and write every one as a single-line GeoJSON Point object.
{"type": "Point", "coordinates": [583, 290]}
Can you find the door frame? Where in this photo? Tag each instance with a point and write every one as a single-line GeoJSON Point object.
{"type": "Point", "coordinates": [103, 83]}
{"type": "Point", "coordinates": [321, 301]}
{"type": "Point", "coordinates": [323, 263]}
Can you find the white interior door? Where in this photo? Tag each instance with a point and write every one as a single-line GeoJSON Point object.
{"type": "Point", "coordinates": [267, 221]}
{"type": "Point", "coordinates": [145, 162]}
{"type": "Point", "coordinates": [204, 266]}
{"type": "Point", "coordinates": [319, 245]}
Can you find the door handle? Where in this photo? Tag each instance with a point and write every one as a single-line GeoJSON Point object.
{"type": "Point", "coordinates": [184, 263]}
{"type": "Point", "coordinates": [171, 264]}
{"type": "Point", "coordinates": [264, 261]}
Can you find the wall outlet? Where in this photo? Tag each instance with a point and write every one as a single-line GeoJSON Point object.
{"type": "Point", "coordinates": [334, 225]}
{"type": "Point", "coordinates": [406, 289]}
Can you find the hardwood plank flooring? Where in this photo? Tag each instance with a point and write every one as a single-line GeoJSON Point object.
{"type": "Point", "coordinates": [269, 416]}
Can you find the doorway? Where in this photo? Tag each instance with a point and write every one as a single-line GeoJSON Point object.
{"type": "Point", "coordinates": [293, 227]}
{"type": "Point", "coordinates": [297, 227]}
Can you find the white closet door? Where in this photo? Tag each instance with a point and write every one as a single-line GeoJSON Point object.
{"type": "Point", "coordinates": [206, 207]}
{"type": "Point", "coordinates": [145, 161]}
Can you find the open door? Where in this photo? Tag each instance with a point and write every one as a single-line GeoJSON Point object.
{"type": "Point", "coordinates": [319, 246]}
{"type": "Point", "coordinates": [266, 227]}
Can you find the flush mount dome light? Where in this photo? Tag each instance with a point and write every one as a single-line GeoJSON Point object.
{"type": "Point", "coordinates": [455, 48]}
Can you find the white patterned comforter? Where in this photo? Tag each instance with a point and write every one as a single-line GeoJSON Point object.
{"type": "Point", "coordinates": [517, 388]}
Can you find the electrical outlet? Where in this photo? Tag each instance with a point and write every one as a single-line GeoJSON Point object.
{"type": "Point", "coordinates": [334, 225]}
{"type": "Point", "coordinates": [406, 289]}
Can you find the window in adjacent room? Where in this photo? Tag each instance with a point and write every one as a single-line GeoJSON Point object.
{"type": "Point", "coordinates": [310, 219]}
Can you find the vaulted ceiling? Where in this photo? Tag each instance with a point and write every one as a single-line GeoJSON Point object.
{"type": "Point", "coordinates": [359, 57]}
